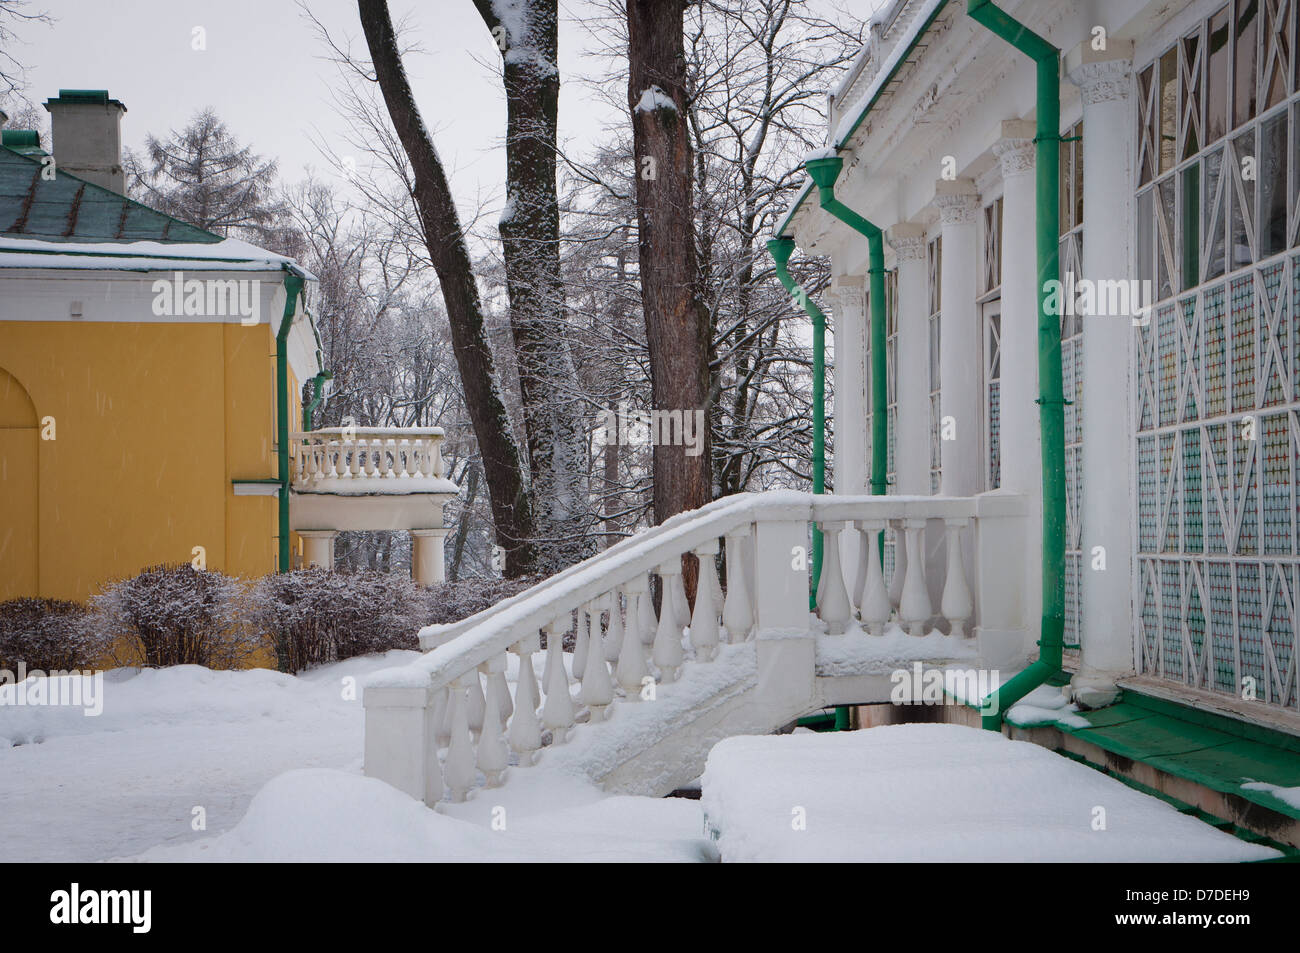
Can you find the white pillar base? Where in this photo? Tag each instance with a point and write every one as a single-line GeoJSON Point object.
{"type": "Point", "coordinates": [318, 547]}
{"type": "Point", "coordinates": [428, 566]}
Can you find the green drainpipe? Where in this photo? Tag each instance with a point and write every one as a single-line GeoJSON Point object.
{"type": "Point", "coordinates": [824, 172]}
{"type": "Point", "coordinates": [292, 288]}
{"type": "Point", "coordinates": [1051, 398]}
{"type": "Point", "coordinates": [781, 249]}
{"type": "Point", "coordinates": [317, 385]}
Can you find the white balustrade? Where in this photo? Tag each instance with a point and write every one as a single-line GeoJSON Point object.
{"type": "Point", "coordinates": [460, 731]}
{"type": "Point", "coordinates": [372, 459]}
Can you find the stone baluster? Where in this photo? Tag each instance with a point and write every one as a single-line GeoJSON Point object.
{"type": "Point", "coordinates": [525, 733]}
{"type": "Point", "coordinates": [442, 718]}
{"type": "Point", "coordinates": [582, 642]}
{"type": "Point", "coordinates": [704, 622]}
{"type": "Point", "coordinates": [458, 770]}
{"type": "Point", "coordinates": [350, 454]}
{"type": "Point", "coordinates": [493, 754]}
{"type": "Point", "coordinates": [647, 622]}
{"type": "Point", "coordinates": [737, 608]}
{"type": "Point", "coordinates": [667, 651]}
{"type": "Point", "coordinates": [832, 596]}
{"type": "Point", "coordinates": [557, 712]}
{"type": "Point", "coordinates": [899, 575]}
{"type": "Point", "coordinates": [475, 704]}
{"type": "Point", "coordinates": [614, 633]}
{"type": "Point", "coordinates": [632, 670]}
{"type": "Point", "coordinates": [597, 689]}
{"type": "Point", "coordinates": [439, 467]}
{"type": "Point", "coordinates": [956, 604]}
{"type": "Point", "coordinates": [872, 596]}
{"type": "Point", "coordinates": [914, 607]}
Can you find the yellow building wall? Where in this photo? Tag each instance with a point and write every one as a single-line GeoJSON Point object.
{"type": "Point", "coordinates": [153, 421]}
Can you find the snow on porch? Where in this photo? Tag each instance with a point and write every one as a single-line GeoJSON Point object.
{"type": "Point", "coordinates": [937, 793]}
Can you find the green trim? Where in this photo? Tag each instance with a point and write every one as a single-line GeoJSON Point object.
{"type": "Point", "coordinates": [824, 172]}
{"type": "Point", "coordinates": [1251, 731]}
{"type": "Point", "coordinates": [868, 107]}
{"type": "Point", "coordinates": [1051, 400]}
{"type": "Point", "coordinates": [781, 249]}
{"type": "Point", "coordinates": [293, 285]}
{"type": "Point", "coordinates": [317, 384]}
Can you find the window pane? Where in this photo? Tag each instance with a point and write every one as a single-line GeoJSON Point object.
{"type": "Point", "coordinates": [1145, 225]}
{"type": "Point", "coordinates": [1168, 106]}
{"type": "Point", "coordinates": [1165, 239]}
{"type": "Point", "coordinates": [1146, 127]}
{"type": "Point", "coordinates": [1275, 36]}
{"type": "Point", "coordinates": [1247, 30]}
{"type": "Point", "coordinates": [1272, 185]}
{"type": "Point", "coordinates": [1191, 89]}
{"type": "Point", "coordinates": [1216, 84]}
{"type": "Point", "coordinates": [1078, 174]}
{"type": "Point", "coordinates": [1191, 226]}
{"type": "Point", "coordinates": [1213, 219]}
{"type": "Point", "coordinates": [1242, 200]}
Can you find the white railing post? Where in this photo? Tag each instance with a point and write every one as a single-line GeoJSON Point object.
{"type": "Point", "coordinates": [582, 643]}
{"type": "Point", "coordinates": [493, 755]}
{"type": "Point", "coordinates": [785, 644]}
{"type": "Point", "coordinates": [632, 670]}
{"type": "Point", "coordinates": [458, 769]}
{"type": "Point", "coordinates": [1001, 629]}
{"type": "Point", "coordinates": [400, 745]}
{"type": "Point", "coordinates": [956, 604]}
{"type": "Point", "coordinates": [525, 733]}
{"type": "Point", "coordinates": [647, 622]}
{"type": "Point", "coordinates": [704, 622]}
{"type": "Point", "coordinates": [914, 607]}
{"type": "Point", "coordinates": [557, 712]}
{"type": "Point", "coordinates": [832, 597]}
{"type": "Point", "coordinates": [737, 611]}
{"type": "Point", "coordinates": [667, 651]}
{"type": "Point", "coordinates": [614, 634]}
{"type": "Point", "coordinates": [873, 597]}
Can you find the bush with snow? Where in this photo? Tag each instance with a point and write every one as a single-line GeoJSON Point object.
{"type": "Point", "coordinates": [49, 635]}
{"type": "Point", "coordinates": [313, 616]}
{"type": "Point", "coordinates": [179, 615]}
{"type": "Point", "coordinates": [453, 601]}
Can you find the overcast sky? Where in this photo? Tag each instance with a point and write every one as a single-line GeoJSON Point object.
{"type": "Point", "coordinates": [263, 73]}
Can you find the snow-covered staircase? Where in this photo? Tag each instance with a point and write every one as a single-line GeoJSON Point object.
{"type": "Point", "coordinates": [656, 692]}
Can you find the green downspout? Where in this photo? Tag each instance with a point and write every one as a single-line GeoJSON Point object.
{"type": "Point", "coordinates": [1051, 398]}
{"type": "Point", "coordinates": [781, 249]}
{"type": "Point", "coordinates": [824, 172]}
{"type": "Point", "coordinates": [317, 385]}
{"type": "Point", "coordinates": [292, 288]}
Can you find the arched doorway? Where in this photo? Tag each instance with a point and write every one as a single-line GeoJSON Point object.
{"type": "Point", "coordinates": [19, 526]}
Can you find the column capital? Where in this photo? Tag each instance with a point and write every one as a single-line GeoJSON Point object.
{"type": "Point", "coordinates": [849, 291]}
{"type": "Point", "coordinates": [908, 241]}
{"type": "Point", "coordinates": [957, 201]}
{"type": "Point", "coordinates": [1102, 81]}
{"type": "Point", "coordinates": [1015, 150]}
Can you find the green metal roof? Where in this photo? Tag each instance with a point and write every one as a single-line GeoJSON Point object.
{"type": "Point", "coordinates": [66, 208]}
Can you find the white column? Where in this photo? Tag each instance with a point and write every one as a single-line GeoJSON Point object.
{"type": "Point", "coordinates": [1108, 492]}
{"type": "Point", "coordinates": [959, 366]}
{"type": "Point", "coordinates": [1020, 440]}
{"type": "Point", "coordinates": [850, 335]}
{"type": "Point", "coordinates": [427, 562]}
{"type": "Point", "coordinates": [912, 450]}
{"type": "Point", "coordinates": [848, 296]}
{"type": "Point", "coordinates": [318, 547]}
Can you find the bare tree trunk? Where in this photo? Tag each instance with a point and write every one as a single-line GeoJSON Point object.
{"type": "Point", "coordinates": [530, 237]}
{"type": "Point", "coordinates": [502, 466]}
{"type": "Point", "coordinates": [677, 326]}
{"type": "Point", "coordinates": [462, 527]}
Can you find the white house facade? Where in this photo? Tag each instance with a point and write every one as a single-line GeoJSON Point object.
{"type": "Point", "coordinates": [1178, 234]}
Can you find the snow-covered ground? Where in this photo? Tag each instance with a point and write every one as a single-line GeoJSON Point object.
{"type": "Point", "coordinates": [128, 782]}
{"type": "Point", "coordinates": [272, 765]}
{"type": "Point", "coordinates": [931, 792]}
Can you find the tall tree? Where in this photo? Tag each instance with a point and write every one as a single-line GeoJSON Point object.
{"type": "Point", "coordinates": [526, 32]}
{"type": "Point", "coordinates": [676, 320]}
{"type": "Point", "coordinates": [202, 175]}
{"type": "Point", "coordinates": [445, 240]}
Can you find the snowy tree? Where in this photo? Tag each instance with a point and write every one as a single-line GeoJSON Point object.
{"type": "Point", "coordinates": [202, 175]}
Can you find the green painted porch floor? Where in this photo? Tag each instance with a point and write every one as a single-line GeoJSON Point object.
{"type": "Point", "coordinates": [1208, 749]}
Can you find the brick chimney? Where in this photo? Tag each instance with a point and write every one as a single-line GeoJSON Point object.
{"type": "Point", "coordinates": [87, 130]}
